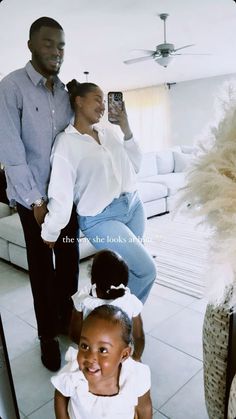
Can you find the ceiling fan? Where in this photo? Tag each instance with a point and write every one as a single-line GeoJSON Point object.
{"type": "Point", "coordinates": [164, 53]}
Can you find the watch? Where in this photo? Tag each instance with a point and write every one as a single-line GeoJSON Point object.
{"type": "Point", "coordinates": [38, 203]}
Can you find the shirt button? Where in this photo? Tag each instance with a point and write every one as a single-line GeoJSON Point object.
{"type": "Point", "coordinates": [53, 111]}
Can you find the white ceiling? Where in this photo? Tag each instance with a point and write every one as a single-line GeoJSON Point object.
{"type": "Point", "coordinates": [100, 34]}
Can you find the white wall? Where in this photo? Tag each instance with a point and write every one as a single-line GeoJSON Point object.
{"type": "Point", "coordinates": [192, 107]}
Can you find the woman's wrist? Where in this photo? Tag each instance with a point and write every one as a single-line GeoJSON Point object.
{"type": "Point", "coordinates": [127, 133]}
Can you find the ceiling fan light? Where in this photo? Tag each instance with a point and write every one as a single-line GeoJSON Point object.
{"type": "Point", "coordinates": [164, 61]}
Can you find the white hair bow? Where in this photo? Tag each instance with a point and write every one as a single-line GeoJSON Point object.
{"type": "Point", "coordinates": [121, 286]}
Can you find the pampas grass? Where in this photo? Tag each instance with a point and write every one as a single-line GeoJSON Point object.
{"type": "Point", "coordinates": [211, 190]}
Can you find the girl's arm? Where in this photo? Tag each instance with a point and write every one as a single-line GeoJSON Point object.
{"type": "Point", "coordinates": [76, 325]}
{"type": "Point", "coordinates": [139, 337]}
{"type": "Point", "coordinates": [144, 408]}
{"type": "Point", "coordinates": [60, 405]}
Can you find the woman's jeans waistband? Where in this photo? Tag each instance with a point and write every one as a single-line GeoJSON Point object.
{"type": "Point", "coordinates": [119, 208]}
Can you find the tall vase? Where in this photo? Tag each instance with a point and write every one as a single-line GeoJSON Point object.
{"type": "Point", "coordinates": [219, 357]}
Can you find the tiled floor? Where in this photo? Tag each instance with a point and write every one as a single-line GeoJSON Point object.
{"type": "Point", "coordinates": [172, 321]}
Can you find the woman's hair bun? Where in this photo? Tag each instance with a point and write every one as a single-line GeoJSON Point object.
{"type": "Point", "coordinates": [75, 88]}
{"type": "Point", "coordinates": [72, 86]}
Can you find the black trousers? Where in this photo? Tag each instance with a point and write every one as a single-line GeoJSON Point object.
{"type": "Point", "coordinates": [3, 187]}
{"type": "Point", "coordinates": [52, 284]}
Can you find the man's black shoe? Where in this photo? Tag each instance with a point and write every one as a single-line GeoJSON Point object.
{"type": "Point", "coordinates": [50, 354]}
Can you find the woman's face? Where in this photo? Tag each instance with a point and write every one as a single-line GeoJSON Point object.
{"type": "Point", "coordinates": [91, 106]}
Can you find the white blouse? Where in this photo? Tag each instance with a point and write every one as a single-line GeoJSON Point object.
{"type": "Point", "coordinates": [89, 174]}
{"type": "Point", "coordinates": [85, 302]}
{"type": "Point", "coordinates": [134, 382]}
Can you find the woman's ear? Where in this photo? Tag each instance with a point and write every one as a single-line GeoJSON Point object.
{"type": "Point", "coordinates": [125, 353]}
{"type": "Point", "coordinates": [79, 101]}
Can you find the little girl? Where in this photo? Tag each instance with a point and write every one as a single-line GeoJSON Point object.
{"type": "Point", "coordinates": [109, 278]}
{"type": "Point", "coordinates": [101, 380]}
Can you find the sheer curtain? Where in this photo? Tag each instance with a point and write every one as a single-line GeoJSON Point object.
{"type": "Point", "coordinates": [148, 110]}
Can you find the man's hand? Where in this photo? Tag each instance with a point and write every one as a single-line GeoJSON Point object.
{"type": "Point", "coordinates": [50, 244]}
{"type": "Point", "coordinates": [40, 212]}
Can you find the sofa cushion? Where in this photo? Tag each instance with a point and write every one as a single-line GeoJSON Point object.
{"type": "Point", "coordinates": [4, 210]}
{"type": "Point", "coordinates": [176, 148]}
{"type": "Point", "coordinates": [148, 165]}
{"type": "Point", "coordinates": [151, 191]}
{"type": "Point", "coordinates": [153, 208]}
{"type": "Point", "coordinates": [11, 230]}
{"type": "Point", "coordinates": [187, 149]}
{"type": "Point", "coordinates": [173, 181]}
{"type": "Point", "coordinates": [17, 255]}
{"type": "Point", "coordinates": [4, 250]}
{"type": "Point", "coordinates": [165, 162]}
{"type": "Point", "coordinates": [181, 161]}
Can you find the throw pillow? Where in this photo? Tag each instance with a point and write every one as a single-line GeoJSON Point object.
{"type": "Point", "coordinates": [188, 149]}
{"type": "Point", "coordinates": [148, 165]}
{"type": "Point", "coordinates": [181, 161]}
{"type": "Point", "coordinates": [165, 162]}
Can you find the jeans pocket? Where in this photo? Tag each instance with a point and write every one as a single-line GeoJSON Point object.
{"type": "Point", "coordinates": [83, 222]}
{"type": "Point", "coordinates": [87, 222]}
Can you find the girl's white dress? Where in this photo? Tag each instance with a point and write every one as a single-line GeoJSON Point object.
{"type": "Point", "coordinates": [134, 382]}
{"type": "Point", "coordinates": [85, 302]}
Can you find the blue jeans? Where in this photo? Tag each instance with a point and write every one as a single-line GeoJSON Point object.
{"type": "Point", "coordinates": [120, 227]}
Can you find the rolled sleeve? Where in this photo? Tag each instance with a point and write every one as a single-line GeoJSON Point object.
{"type": "Point", "coordinates": [22, 181]}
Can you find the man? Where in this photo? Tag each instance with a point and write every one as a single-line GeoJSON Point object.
{"type": "Point", "coordinates": [34, 107]}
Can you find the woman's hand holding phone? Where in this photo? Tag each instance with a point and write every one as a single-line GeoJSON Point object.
{"type": "Point", "coordinates": [122, 121]}
{"type": "Point", "coordinates": [117, 114]}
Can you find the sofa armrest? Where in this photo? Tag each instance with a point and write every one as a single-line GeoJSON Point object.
{"type": "Point", "coordinates": [5, 210]}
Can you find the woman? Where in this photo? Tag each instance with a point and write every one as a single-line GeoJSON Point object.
{"type": "Point", "coordinates": [96, 170]}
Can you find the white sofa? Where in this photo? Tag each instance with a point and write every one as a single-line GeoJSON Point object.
{"type": "Point", "coordinates": [12, 242]}
{"type": "Point", "coordinates": [160, 177]}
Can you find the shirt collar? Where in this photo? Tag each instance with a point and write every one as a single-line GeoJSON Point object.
{"type": "Point", "coordinates": [70, 129]}
{"type": "Point", "coordinates": [36, 77]}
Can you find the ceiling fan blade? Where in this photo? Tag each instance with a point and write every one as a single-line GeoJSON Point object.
{"type": "Point", "coordinates": [145, 51]}
{"type": "Point", "coordinates": [185, 46]}
{"type": "Point", "coordinates": [136, 60]}
{"type": "Point", "coordinates": [192, 54]}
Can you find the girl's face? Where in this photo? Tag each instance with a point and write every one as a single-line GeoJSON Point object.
{"type": "Point", "coordinates": [91, 106]}
{"type": "Point", "coordinates": [101, 350]}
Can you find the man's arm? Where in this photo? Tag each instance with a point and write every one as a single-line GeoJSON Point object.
{"type": "Point", "coordinates": [60, 405]}
{"type": "Point", "coordinates": [12, 153]}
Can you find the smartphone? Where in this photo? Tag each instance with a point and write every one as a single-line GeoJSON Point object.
{"type": "Point", "coordinates": [114, 98]}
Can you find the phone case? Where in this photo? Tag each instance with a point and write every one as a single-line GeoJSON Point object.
{"type": "Point", "coordinates": [114, 98]}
